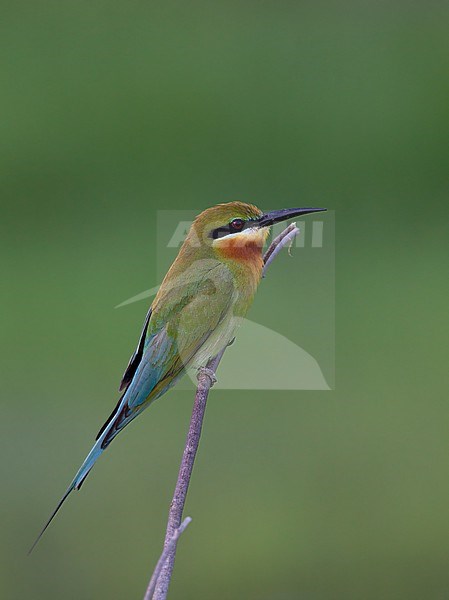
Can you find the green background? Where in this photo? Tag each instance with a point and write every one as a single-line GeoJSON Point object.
{"type": "Point", "coordinates": [112, 110]}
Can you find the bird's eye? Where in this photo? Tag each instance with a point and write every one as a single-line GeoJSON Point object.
{"type": "Point", "coordinates": [236, 225]}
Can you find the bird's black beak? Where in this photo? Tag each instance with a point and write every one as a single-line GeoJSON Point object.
{"type": "Point", "coordinates": [275, 216]}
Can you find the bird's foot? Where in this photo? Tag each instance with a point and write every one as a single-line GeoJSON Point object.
{"type": "Point", "coordinates": [208, 373]}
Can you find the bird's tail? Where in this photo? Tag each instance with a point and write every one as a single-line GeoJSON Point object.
{"type": "Point", "coordinates": [81, 475]}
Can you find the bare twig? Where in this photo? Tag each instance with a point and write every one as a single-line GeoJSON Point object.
{"type": "Point", "coordinates": [205, 382]}
{"type": "Point", "coordinates": [285, 237]}
{"type": "Point", "coordinates": [160, 580]}
{"type": "Point", "coordinates": [160, 563]}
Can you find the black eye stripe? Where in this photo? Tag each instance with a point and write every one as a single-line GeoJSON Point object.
{"type": "Point", "coordinates": [235, 226]}
{"type": "Point", "coordinates": [219, 232]}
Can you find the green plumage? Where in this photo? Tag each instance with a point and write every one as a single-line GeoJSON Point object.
{"type": "Point", "coordinates": [196, 312]}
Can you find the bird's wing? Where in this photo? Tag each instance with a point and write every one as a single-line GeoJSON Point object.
{"type": "Point", "coordinates": [137, 355]}
{"type": "Point", "coordinates": [179, 322]}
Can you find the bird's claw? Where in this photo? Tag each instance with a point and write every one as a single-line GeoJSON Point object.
{"type": "Point", "coordinates": [208, 373]}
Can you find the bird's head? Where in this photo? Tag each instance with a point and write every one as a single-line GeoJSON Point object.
{"type": "Point", "coordinates": [237, 230]}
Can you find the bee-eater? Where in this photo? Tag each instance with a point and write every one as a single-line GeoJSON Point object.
{"type": "Point", "coordinates": [195, 314]}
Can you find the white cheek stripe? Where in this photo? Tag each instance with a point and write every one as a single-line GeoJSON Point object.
{"type": "Point", "coordinates": [251, 231]}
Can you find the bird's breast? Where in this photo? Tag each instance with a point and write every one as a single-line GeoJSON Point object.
{"type": "Point", "coordinates": [222, 335]}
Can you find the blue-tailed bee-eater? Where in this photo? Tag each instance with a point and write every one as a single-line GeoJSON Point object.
{"type": "Point", "coordinates": [197, 309]}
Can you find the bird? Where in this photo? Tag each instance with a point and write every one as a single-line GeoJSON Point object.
{"type": "Point", "coordinates": [195, 314]}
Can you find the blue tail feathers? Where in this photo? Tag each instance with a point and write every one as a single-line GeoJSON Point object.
{"type": "Point", "coordinates": [78, 480]}
{"type": "Point", "coordinates": [87, 465]}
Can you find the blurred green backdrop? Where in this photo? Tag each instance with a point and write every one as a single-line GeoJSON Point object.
{"type": "Point", "coordinates": [111, 110]}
